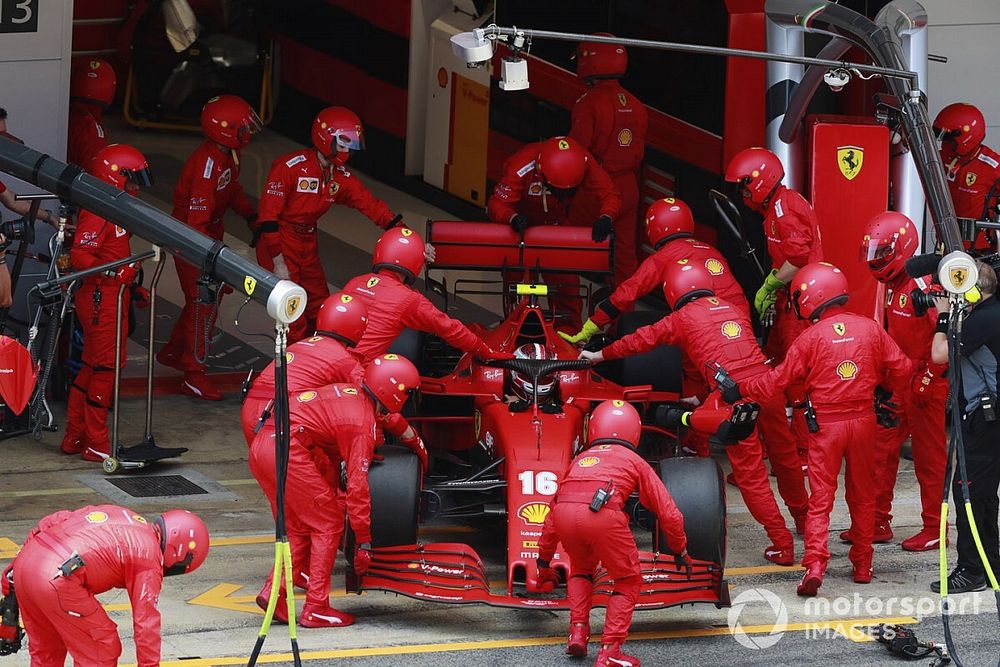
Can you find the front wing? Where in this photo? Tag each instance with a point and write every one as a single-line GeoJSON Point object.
{"type": "Point", "coordinates": [453, 573]}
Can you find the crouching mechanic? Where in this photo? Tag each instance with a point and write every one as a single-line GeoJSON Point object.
{"type": "Point", "coordinates": [71, 556]}
{"type": "Point", "coordinates": [713, 333]}
{"type": "Point", "coordinates": [394, 305]}
{"type": "Point", "coordinates": [839, 361]}
{"type": "Point", "coordinates": [539, 186]}
{"type": "Point", "coordinates": [341, 420]}
{"type": "Point", "coordinates": [604, 537]}
{"type": "Point", "coordinates": [890, 240]}
{"type": "Point", "coordinates": [301, 187]}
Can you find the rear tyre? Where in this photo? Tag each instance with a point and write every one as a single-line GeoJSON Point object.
{"type": "Point", "coordinates": [698, 490]}
{"type": "Point", "coordinates": [660, 367]}
{"type": "Point", "coordinates": [395, 490]}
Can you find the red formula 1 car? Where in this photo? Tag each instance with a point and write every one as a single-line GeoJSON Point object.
{"type": "Point", "coordinates": [498, 457]}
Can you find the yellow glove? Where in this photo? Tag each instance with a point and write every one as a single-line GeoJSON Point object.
{"type": "Point", "coordinates": [582, 336]}
{"type": "Point", "coordinates": [766, 296]}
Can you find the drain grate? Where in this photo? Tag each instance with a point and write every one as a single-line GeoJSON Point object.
{"type": "Point", "coordinates": [151, 486]}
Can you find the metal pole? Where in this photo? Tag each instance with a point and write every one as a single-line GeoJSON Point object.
{"type": "Point", "coordinates": [151, 341]}
{"type": "Point", "coordinates": [118, 369]}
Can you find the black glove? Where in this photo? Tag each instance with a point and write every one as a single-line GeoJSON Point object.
{"type": "Point", "coordinates": [683, 562]}
{"type": "Point", "coordinates": [601, 229]}
{"type": "Point", "coordinates": [669, 416]}
{"type": "Point", "coordinates": [519, 222]}
{"type": "Point", "coordinates": [885, 409]}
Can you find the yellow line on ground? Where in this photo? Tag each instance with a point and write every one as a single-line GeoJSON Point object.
{"type": "Point", "coordinates": [846, 627]}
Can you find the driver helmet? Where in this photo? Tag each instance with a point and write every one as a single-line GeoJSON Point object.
{"type": "Point", "coordinates": [521, 383]}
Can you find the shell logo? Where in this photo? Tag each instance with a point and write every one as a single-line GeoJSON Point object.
{"type": "Point", "coordinates": [715, 267]}
{"type": "Point", "coordinates": [306, 396]}
{"type": "Point", "coordinates": [96, 517]}
{"type": "Point", "coordinates": [847, 370]}
{"type": "Point", "coordinates": [289, 357]}
{"type": "Point", "coordinates": [589, 462]}
{"type": "Point", "coordinates": [625, 138]}
{"type": "Point", "coordinates": [534, 513]}
{"type": "Point", "coordinates": [731, 330]}
{"type": "Point", "coordinates": [304, 184]}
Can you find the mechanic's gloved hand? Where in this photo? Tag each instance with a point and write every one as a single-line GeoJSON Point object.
{"type": "Point", "coordinates": [487, 353]}
{"type": "Point", "coordinates": [583, 335]}
{"type": "Point", "coordinates": [430, 254]}
{"type": "Point", "coordinates": [683, 562]}
{"type": "Point", "coordinates": [886, 410]}
{"type": "Point", "coordinates": [417, 445]}
{"type": "Point", "coordinates": [767, 294]}
{"type": "Point", "coordinates": [126, 274]}
{"type": "Point", "coordinates": [141, 297]}
{"type": "Point", "coordinates": [601, 229]}
{"type": "Point", "coordinates": [547, 577]}
{"type": "Point", "coordinates": [592, 357]}
{"type": "Point", "coordinates": [362, 558]}
{"type": "Point", "coordinates": [519, 222]}
{"type": "Point", "coordinates": [280, 268]}
{"type": "Point", "coordinates": [670, 417]}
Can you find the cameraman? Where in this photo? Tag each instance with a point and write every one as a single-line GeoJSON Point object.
{"type": "Point", "coordinates": [980, 430]}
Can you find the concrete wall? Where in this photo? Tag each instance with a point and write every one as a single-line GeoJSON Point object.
{"type": "Point", "coordinates": [967, 32]}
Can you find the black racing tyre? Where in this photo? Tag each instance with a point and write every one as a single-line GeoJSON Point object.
{"type": "Point", "coordinates": [660, 367]}
{"type": "Point", "coordinates": [395, 490]}
{"type": "Point", "coordinates": [699, 491]}
{"type": "Point", "coordinates": [410, 344]}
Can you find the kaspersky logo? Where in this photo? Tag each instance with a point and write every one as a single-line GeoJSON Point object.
{"type": "Point", "coordinates": [534, 513]}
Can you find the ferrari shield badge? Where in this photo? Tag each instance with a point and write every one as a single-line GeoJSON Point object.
{"type": "Point", "coordinates": [839, 328]}
{"type": "Point", "coordinates": [850, 160]}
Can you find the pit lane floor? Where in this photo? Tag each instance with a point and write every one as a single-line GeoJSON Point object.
{"type": "Point", "coordinates": [209, 617]}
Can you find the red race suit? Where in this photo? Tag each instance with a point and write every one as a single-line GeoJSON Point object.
{"type": "Point", "coordinates": [611, 123]}
{"type": "Point", "coordinates": [337, 422]}
{"type": "Point", "coordinates": [299, 191]}
{"type": "Point", "coordinates": [711, 331]}
{"type": "Point", "coordinates": [87, 135]}
{"type": "Point", "coordinates": [604, 536]}
{"type": "Point", "coordinates": [60, 613]}
{"type": "Point", "coordinates": [97, 241]}
{"type": "Point", "coordinates": [208, 185]}
{"type": "Point", "coordinates": [393, 306]}
{"type": "Point", "coordinates": [839, 361]}
{"type": "Point", "coordinates": [522, 190]}
{"type": "Point", "coordinates": [974, 183]}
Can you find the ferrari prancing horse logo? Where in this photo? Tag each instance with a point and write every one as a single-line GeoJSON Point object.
{"type": "Point", "coordinates": [850, 160]}
{"type": "Point", "coordinates": [840, 328]}
{"type": "Point", "coordinates": [970, 179]}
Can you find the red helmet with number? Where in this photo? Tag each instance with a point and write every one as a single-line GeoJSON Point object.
{"type": "Point", "coordinates": [521, 383]}
{"type": "Point", "coordinates": [614, 422]}
{"type": "Point", "coordinates": [391, 379]}
{"type": "Point", "coordinates": [562, 162]}
{"type": "Point", "coordinates": [961, 127]}
{"type": "Point", "coordinates": [230, 121]}
{"type": "Point", "coordinates": [668, 219]}
{"type": "Point", "coordinates": [596, 60]}
{"type": "Point", "coordinates": [400, 249]}
{"type": "Point", "coordinates": [337, 130]}
{"type": "Point", "coordinates": [93, 80]}
{"type": "Point", "coordinates": [183, 541]}
{"type": "Point", "coordinates": [122, 166]}
{"type": "Point", "coordinates": [890, 240]}
{"type": "Point", "coordinates": [817, 286]}
{"type": "Point", "coordinates": [758, 172]}
{"type": "Point", "coordinates": [684, 281]}
{"type": "Point", "coordinates": [342, 317]}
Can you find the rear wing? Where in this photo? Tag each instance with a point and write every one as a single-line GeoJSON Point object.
{"type": "Point", "coordinates": [485, 246]}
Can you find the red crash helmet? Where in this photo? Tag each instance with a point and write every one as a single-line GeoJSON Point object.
{"type": "Point", "coordinates": [183, 541]}
{"type": "Point", "coordinates": [614, 422]}
{"type": "Point", "coordinates": [400, 249]}
{"type": "Point", "coordinates": [230, 121]}
{"type": "Point", "coordinates": [391, 379]}
{"type": "Point", "coordinates": [122, 166]}
{"type": "Point", "coordinates": [522, 384]}
{"type": "Point", "coordinates": [596, 60]}
{"type": "Point", "coordinates": [562, 162]}
{"type": "Point", "coordinates": [342, 317]}
{"type": "Point", "coordinates": [684, 281]}
{"type": "Point", "coordinates": [668, 219]}
{"type": "Point", "coordinates": [93, 80]}
{"type": "Point", "coordinates": [960, 127]}
{"type": "Point", "coordinates": [337, 130]}
{"type": "Point", "coordinates": [890, 240]}
{"type": "Point", "coordinates": [758, 172]}
{"type": "Point", "coordinates": [816, 286]}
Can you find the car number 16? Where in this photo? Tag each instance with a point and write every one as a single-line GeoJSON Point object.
{"type": "Point", "coordinates": [542, 483]}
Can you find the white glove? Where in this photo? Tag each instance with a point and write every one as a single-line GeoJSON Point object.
{"type": "Point", "coordinates": [429, 253]}
{"type": "Point", "coordinates": [280, 268]}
